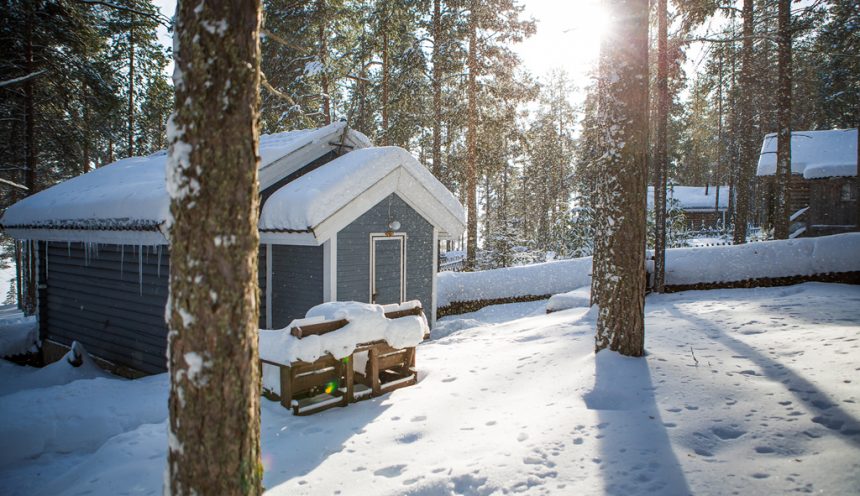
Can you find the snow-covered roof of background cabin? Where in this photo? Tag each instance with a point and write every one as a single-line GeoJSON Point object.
{"type": "Point", "coordinates": [327, 199]}
{"type": "Point", "coordinates": [814, 154]}
{"type": "Point", "coordinates": [692, 198]}
{"type": "Point", "coordinates": [130, 194]}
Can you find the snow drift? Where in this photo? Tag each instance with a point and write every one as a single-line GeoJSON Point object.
{"type": "Point", "coordinates": [684, 266]}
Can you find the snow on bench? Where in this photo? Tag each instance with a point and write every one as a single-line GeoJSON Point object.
{"type": "Point", "coordinates": [341, 352]}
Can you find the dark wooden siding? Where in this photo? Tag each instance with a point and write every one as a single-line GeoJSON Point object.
{"type": "Point", "coordinates": [353, 252]}
{"type": "Point", "coordinates": [297, 282]}
{"type": "Point", "coordinates": [97, 295]}
{"type": "Point", "coordinates": [830, 211]}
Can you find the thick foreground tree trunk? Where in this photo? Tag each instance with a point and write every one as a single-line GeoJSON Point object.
{"type": "Point", "coordinates": [783, 150]}
{"type": "Point", "coordinates": [214, 431]}
{"type": "Point", "coordinates": [620, 263]}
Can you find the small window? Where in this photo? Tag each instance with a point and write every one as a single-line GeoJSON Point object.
{"type": "Point", "coordinates": [848, 193]}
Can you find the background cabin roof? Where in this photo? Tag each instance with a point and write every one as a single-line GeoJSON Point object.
{"type": "Point", "coordinates": [327, 199]}
{"type": "Point", "coordinates": [693, 198]}
{"type": "Point", "coordinates": [814, 154]}
{"type": "Point", "coordinates": [130, 195]}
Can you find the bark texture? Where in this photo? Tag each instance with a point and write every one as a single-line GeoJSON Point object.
{"type": "Point", "coordinates": [214, 430]}
{"type": "Point", "coordinates": [783, 145]}
{"type": "Point", "coordinates": [472, 140]}
{"type": "Point", "coordinates": [661, 159]}
{"type": "Point", "coordinates": [747, 152]}
{"type": "Point", "coordinates": [620, 263]}
{"type": "Point", "coordinates": [437, 89]}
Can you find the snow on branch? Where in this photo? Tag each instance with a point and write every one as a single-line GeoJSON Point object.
{"type": "Point", "coordinates": [156, 16]}
{"type": "Point", "coordinates": [12, 183]}
{"type": "Point", "coordinates": [22, 79]}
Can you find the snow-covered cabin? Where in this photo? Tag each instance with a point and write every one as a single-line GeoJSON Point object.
{"type": "Point", "coordinates": [704, 206]}
{"type": "Point", "coordinates": [340, 220]}
{"type": "Point", "coordinates": [823, 187]}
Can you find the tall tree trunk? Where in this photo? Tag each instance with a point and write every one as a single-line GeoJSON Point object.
{"type": "Point", "coordinates": [437, 89]}
{"type": "Point", "coordinates": [783, 146]}
{"type": "Point", "coordinates": [472, 140]}
{"type": "Point", "coordinates": [745, 118]}
{"type": "Point", "coordinates": [130, 116]}
{"type": "Point", "coordinates": [661, 161]}
{"type": "Point", "coordinates": [720, 155]}
{"type": "Point", "coordinates": [30, 157]}
{"type": "Point", "coordinates": [214, 429]}
{"type": "Point", "coordinates": [624, 52]}
{"type": "Point", "coordinates": [323, 53]}
{"type": "Point", "coordinates": [386, 69]}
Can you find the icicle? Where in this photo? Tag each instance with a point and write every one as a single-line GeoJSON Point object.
{"type": "Point", "coordinates": [140, 268]}
{"type": "Point", "coordinates": [46, 259]}
{"type": "Point", "coordinates": [69, 249]}
{"type": "Point", "coordinates": [121, 257]}
{"type": "Point", "coordinates": [158, 270]}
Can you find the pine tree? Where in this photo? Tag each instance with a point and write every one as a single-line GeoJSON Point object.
{"type": "Point", "coordinates": [214, 425]}
{"type": "Point", "coordinates": [783, 160]}
{"type": "Point", "coordinates": [619, 263]}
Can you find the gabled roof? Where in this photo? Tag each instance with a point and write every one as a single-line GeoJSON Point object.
{"type": "Point", "coordinates": [327, 199]}
{"type": "Point", "coordinates": [127, 201]}
{"type": "Point", "coordinates": [814, 154]}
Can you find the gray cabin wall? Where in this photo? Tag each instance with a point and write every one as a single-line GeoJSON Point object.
{"type": "Point", "coordinates": [353, 252]}
{"type": "Point", "coordinates": [297, 282]}
{"type": "Point", "coordinates": [95, 294]}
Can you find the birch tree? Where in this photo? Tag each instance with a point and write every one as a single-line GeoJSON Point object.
{"type": "Point", "coordinates": [214, 426]}
{"type": "Point", "coordinates": [619, 263]}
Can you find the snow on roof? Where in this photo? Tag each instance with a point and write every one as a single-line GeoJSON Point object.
{"type": "Point", "coordinates": [130, 194]}
{"type": "Point", "coordinates": [693, 198]}
{"type": "Point", "coordinates": [815, 154]}
{"type": "Point", "coordinates": [329, 197]}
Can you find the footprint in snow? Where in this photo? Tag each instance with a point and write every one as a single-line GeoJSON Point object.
{"type": "Point", "coordinates": [727, 433]}
{"type": "Point", "coordinates": [390, 471]}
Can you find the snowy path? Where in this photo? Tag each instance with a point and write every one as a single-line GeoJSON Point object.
{"type": "Point", "coordinates": [767, 402]}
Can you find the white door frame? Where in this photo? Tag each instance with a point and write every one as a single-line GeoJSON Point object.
{"type": "Point", "coordinates": [393, 237]}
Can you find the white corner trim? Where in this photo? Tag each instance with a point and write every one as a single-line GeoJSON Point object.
{"type": "Point", "coordinates": [435, 273]}
{"type": "Point", "coordinates": [333, 267]}
{"type": "Point", "coordinates": [330, 270]}
{"type": "Point", "coordinates": [269, 286]}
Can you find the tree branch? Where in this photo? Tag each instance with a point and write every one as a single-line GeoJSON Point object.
{"type": "Point", "coordinates": [156, 16]}
{"type": "Point", "coordinates": [22, 79]}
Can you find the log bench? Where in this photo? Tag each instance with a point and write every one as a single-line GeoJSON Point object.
{"type": "Point", "coordinates": [308, 388]}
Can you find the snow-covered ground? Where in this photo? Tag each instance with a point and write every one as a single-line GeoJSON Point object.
{"type": "Point", "coordinates": [746, 391]}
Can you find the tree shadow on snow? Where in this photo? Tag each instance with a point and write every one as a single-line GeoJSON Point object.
{"type": "Point", "coordinates": [636, 455]}
{"type": "Point", "coordinates": [827, 415]}
{"type": "Point", "coordinates": [294, 446]}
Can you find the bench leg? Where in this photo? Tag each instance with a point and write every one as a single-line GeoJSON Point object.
{"type": "Point", "coordinates": [373, 364]}
{"type": "Point", "coordinates": [286, 386]}
{"type": "Point", "coordinates": [349, 380]}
